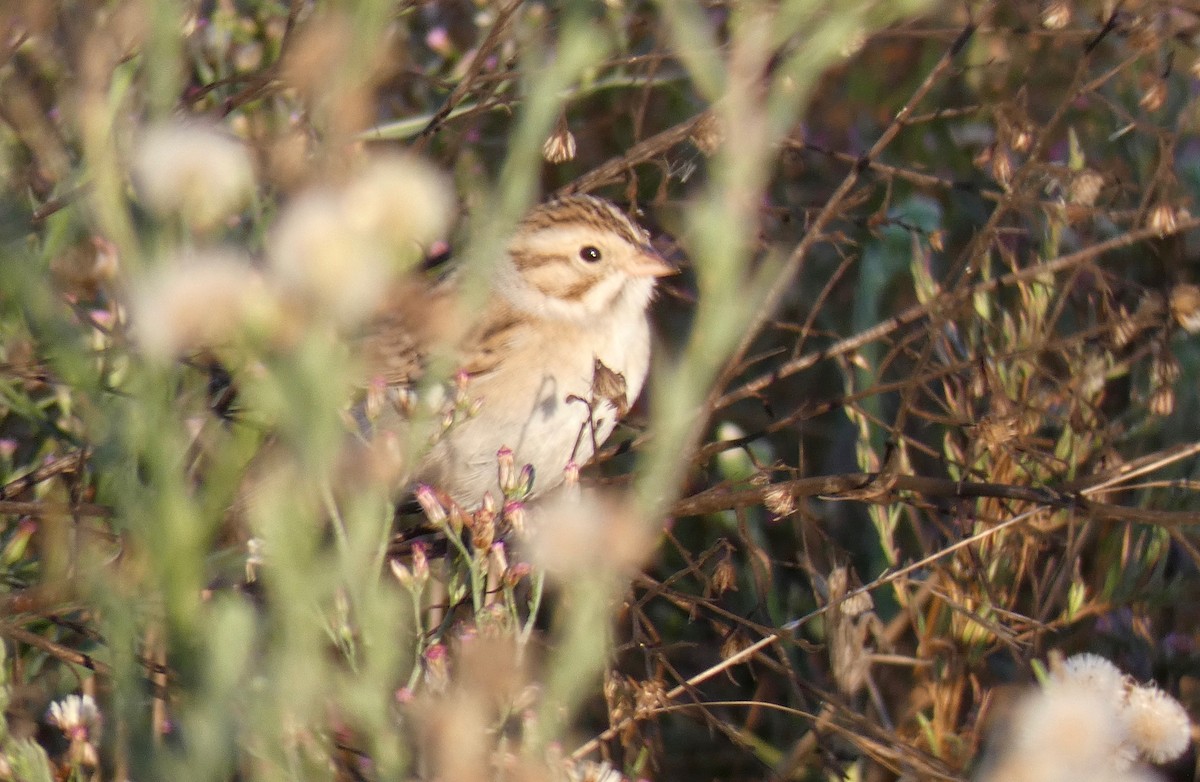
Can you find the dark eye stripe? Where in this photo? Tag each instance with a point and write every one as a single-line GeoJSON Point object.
{"type": "Point", "coordinates": [533, 260]}
{"type": "Point", "coordinates": [578, 290]}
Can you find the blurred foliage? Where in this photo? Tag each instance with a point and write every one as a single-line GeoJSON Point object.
{"type": "Point", "coordinates": [935, 336]}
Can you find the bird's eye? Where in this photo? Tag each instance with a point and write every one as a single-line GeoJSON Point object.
{"type": "Point", "coordinates": [589, 254]}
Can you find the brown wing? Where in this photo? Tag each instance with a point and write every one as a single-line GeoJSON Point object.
{"type": "Point", "coordinates": [395, 344]}
{"type": "Point", "coordinates": [417, 320]}
{"type": "Point", "coordinates": [489, 338]}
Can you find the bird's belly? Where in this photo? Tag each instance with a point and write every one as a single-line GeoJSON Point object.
{"type": "Point", "coordinates": [547, 417]}
{"type": "Point", "coordinates": [547, 427]}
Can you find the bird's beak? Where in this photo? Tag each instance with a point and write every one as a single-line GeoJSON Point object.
{"type": "Point", "coordinates": [650, 264]}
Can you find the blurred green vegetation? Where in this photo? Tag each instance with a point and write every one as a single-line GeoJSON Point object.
{"type": "Point", "coordinates": [934, 335]}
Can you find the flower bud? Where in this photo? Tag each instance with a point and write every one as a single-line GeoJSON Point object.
{"type": "Point", "coordinates": [429, 502]}
{"type": "Point", "coordinates": [514, 513]}
{"type": "Point", "coordinates": [505, 467]}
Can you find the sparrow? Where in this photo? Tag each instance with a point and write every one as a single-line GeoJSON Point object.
{"type": "Point", "coordinates": [550, 362]}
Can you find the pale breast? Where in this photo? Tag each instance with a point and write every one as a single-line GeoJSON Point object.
{"type": "Point", "coordinates": [540, 403]}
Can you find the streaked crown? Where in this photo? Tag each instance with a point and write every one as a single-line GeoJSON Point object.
{"type": "Point", "coordinates": [584, 251]}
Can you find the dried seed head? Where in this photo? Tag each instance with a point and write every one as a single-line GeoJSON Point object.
{"type": "Point", "coordinates": [983, 159]}
{"type": "Point", "coordinates": [560, 146]}
{"type": "Point", "coordinates": [618, 694]}
{"type": "Point", "coordinates": [1094, 375]}
{"type": "Point", "coordinates": [995, 431]}
{"type": "Point", "coordinates": [1090, 720]}
{"type": "Point", "coordinates": [707, 134]}
{"type": "Point", "coordinates": [1164, 370]}
{"type": "Point", "coordinates": [1085, 187]}
{"type": "Point", "coordinates": [1163, 219]}
{"type": "Point", "coordinates": [515, 574]}
{"type": "Point", "coordinates": [483, 524]}
{"type": "Point", "coordinates": [1185, 307]}
{"type": "Point", "coordinates": [86, 267]}
{"type": "Point", "coordinates": [857, 604]}
{"type": "Point", "coordinates": [1125, 327]}
{"type": "Point", "coordinates": [1056, 15]}
{"type": "Point", "coordinates": [483, 533]}
{"type": "Point", "coordinates": [1014, 129]}
{"type": "Point", "coordinates": [733, 643]}
{"type": "Point", "coordinates": [610, 386]}
{"type": "Point", "coordinates": [649, 696]}
{"type": "Point", "coordinates": [1154, 96]}
{"type": "Point", "coordinates": [1162, 401]}
{"type": "Point", "coordinates": [779, 501]}
{"type": "Point", "coordinates": [724, 576]}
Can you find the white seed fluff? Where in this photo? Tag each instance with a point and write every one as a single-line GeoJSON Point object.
{"type": "Point", "coordinates": [1157, 725]}
{"type": "Point", "coordinates": [192, 169]}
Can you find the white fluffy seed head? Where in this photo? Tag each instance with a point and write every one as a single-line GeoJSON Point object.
{"type": "Point", "coordinates": [1156, 724]}
{"type": "Point", "coordinates": [338, 249]}
{"type": "Point", "coordinates": [197, 301]}
{"type": "Point", "coordinates": [192, 169]}
{"type": "Point", "coordinates": [318, 254]}
{"type": "Point", "coordinates": [1089, 721]}
{"type": "Point", "coordinates": [1092, 672]}
{"type": "Point", "coordinates": [402, 200]}
{"type": "Point", "coordinates": [1068, 726]}
{"type": "Point", "coordinates": [587, 532]}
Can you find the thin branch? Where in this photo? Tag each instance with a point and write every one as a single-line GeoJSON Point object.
{"type": "Point", "coordinates": [648, 149]}
{"type": "Point", "coordinates": [69, 462]}
{"type": "Point", "coordinates": [66, 654]}
{"type": "Point", "coordinates": [815, 232]}
{"type": "Point", "coordinates": [881, 489]}
{"type": "Point", "coordinates": [464, 86]}
{"type": "Point", "coordinates": [945, 302]}
{"type": "Point", "coordinates": [17, 508]}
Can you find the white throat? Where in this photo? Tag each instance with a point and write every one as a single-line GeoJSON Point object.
{"type": "Point", "coordinates": [615, 297]}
